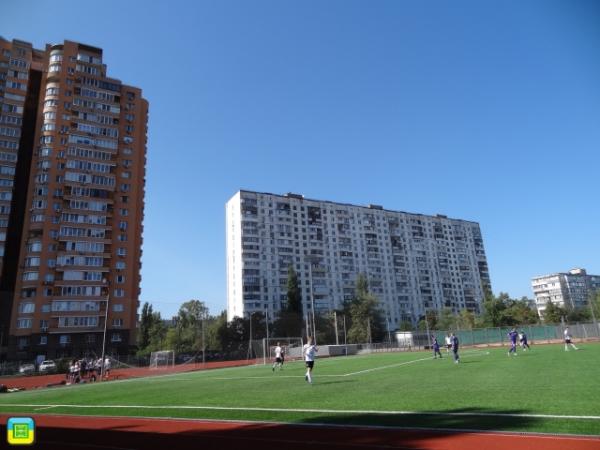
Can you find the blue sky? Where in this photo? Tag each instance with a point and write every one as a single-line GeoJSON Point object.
{"type": "Point", "coordinates": [486, 111]}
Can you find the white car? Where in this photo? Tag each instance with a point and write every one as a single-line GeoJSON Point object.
{"type": "Point", "coordinates": [26, 369]}
{"type": "Point", "coordinates": [47, 366]}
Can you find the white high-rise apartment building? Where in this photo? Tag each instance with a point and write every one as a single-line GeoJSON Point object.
{"type": "Point", "coordinates": [567, 289]}
{"type": "Point", "coordinates": [413, 262]}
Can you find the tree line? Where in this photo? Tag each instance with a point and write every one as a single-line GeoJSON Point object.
{"type": "Point", "coordinates": [195, 332]}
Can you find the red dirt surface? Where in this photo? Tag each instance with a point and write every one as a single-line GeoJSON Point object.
{"type": "Point", "coordinates": [40, 381]}
{"type": "Point", "coordinates": [87, 433]}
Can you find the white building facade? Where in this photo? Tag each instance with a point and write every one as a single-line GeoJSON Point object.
{"type": "Point", "coordinates": [413, 262]}
{"type": "Point", "coordinates": [566, 289]}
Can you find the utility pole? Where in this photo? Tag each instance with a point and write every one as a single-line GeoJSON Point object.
{"type": "Point", "coordinates": [345, 342]}
{"type": "Point", "coordinates": [337, 341]}
{"type": "Point", "coordinates": [203, 343]}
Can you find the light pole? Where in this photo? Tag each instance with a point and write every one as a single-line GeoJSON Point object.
{"type": "Point", "coordinates": [105, 326]}
{"type": "Point", "coordinates": [310, 260]}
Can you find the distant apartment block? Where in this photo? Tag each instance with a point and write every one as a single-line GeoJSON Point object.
{"type": "Point", "coordinates": [567, 289]}
{"type": "Point", "coordinates": [72, 168]}
{"type": "Point", "coordinates": [414, 262]}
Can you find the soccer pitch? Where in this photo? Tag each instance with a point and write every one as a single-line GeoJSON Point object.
{"type": "Point", "coordinates": [542, 390]}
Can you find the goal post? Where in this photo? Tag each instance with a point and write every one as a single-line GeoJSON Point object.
{"type": "Point", "coordinates": [162, 358]}
{"type": "Point", "coordinates": [291, 346]}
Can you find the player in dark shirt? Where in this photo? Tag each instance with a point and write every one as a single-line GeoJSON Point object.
{"type": "Point", "coordinates": [436, 348]}
{"type": "Point", "coordinates": [512, 335]}
{"type": "Point", "coordinates": [455, 348]}
{"type": "Point", "coordinates": [523, 339]}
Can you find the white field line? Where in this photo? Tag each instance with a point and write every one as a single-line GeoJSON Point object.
{"type": "Point", "coordinates": [307, 410]}
{"type": "Point", "coordinates": [206, 373]}
{"type": "Point", "coordinates": [349, 374]}
{"type": "Point", "coordinates": [46, 407]}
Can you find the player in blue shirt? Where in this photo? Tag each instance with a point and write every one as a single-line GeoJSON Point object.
{"type": "Point", "coordinates": [454, 340]}
{"type": "Point", "coordinates": [512, 335]}
{"type": "Point", "coordinates": [436, 347]}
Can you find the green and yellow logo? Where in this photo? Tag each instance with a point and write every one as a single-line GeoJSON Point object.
{"type": "Point", "coordinates": [20, 431]}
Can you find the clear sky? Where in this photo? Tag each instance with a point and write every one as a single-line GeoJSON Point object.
{"type": "Point", "coordinates": [486, 111]}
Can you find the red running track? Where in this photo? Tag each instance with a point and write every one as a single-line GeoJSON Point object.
{"type": "Point", "coordinates": [125, 433]}
{"type": "Point", "coordinates": [42, 381]}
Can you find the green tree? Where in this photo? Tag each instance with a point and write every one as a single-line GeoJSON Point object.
{"type": "Point", "coordinates": [594, 304]}
{"type": "Point", "coordinates": [294, 296]}
{"type": "Point", "coordinates": [405, 325]}
{"type": "Point", "coordinates": [494, 309]}
{"type": "Point", "coordinates": [554, 313]}
{"type": "Point", "coordinates": [289, 320]}
{"type": "Point", "coordinates": [579, 314]}
{"type": "Point", "coordinates": [446, 321]}
{"type": "Point", "coordinates": [365, 317]}
{"type": "Point", "coordinates": [430, 321]}
{"type": "Point", "coordinates": [466, 319]}
{"type": "Point", "coordinates": [153, 331]}
{"type": "Point", "coordinates": [145, 324]}
{"type": "Point", "coordinates": [191, 317]}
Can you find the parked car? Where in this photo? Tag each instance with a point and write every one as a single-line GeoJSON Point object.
{"type": "Point", "coordinates": [26, 369]}
{"type": "Point", "coordinates": [47, 366]}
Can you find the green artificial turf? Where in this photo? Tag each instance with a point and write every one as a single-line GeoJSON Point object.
{"type": "Point", "coordinates": [482, 392]}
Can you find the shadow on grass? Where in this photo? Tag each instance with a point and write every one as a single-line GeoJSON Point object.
{"type": "Point", "coordinates": [319, 432]}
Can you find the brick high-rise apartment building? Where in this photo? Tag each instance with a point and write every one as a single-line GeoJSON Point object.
{"type": "Point", "coordinates": [72, 168]}
{"type": "Point", "coordinates": [414, 262]}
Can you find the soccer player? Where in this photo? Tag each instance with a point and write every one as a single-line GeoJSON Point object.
{"type": "Point", "coordinates": [278, 358]}
{"type": "Point", "coordinates": [512, 335]}
{"type": "Point", "coordinates": [454, 340]}
{"type": "Point", "coordinates": [436, 347]}
{"type": "Point", "coordinates": [568, 342]}
{"type": "Point", "coordinates": [523, 339]}
{"type": "Point", "coordinates": [308, 351]}
{"type": "Point", "coordinates": [448, 343]}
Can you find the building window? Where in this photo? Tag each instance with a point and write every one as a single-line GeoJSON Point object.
{"type": "Point", "coordinates": [117, 323]}
{"type": "Point", "coordinates": [90, 338]}
{"type": "Point", "coordinates": [116, 337]}
{"type": "Point", "coordinates": [120, 265]}
{"type": "Point", "coordinates": [27, 308]}
{"type": "Point", "coordinates": [118, 307]}
{"type": "Point", "coordinates": [30, 276]}
{"type": "Point", "coordinates": [120, 279]}
{"type": "Point", "coordinates": [43, 340]}
{"type": "Point", "coordinates": [119, 292]}
{"type": "Point", "coordinates": [64, 339]}
{"type": "Point", "coordinates": [24, 323]}
{"type": "Point", "coordinates": [121, 251]}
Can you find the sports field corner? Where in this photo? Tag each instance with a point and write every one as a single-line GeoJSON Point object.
{"type": "Point", "coordinates": [392, 400]}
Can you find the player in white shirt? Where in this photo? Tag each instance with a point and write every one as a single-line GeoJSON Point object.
{"type": "Point", "coordinates": [568, 342]}
{"type": "Point", "coordinates": [308, 351]}
{"type": "Point", "coordinates": [278, 358]}
{"type": "Point", "coordinates": [448, 343]}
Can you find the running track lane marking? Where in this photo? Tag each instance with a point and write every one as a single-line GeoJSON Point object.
{"type": "Point", "coordinates": [309, 410]}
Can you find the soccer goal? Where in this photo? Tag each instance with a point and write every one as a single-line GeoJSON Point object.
{"type": "Point", "coordinates": [163, 358]}
{"type": "Point", "coordinates": [291, 346]}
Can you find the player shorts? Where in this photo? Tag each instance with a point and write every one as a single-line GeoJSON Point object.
{"type": "Point", "coordinates": [449, 346]}
{"type": "Point", "coordinates": [310, 364]}
{"type": "Point", "coordinates": [278, 360]}
{"type": "Point", "coordinates": [567, 341]}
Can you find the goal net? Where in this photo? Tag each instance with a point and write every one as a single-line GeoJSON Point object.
{"type": "Point", "coordinates": [163, 358]}
{"type": "Point", "coordinates": [265, 348]}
